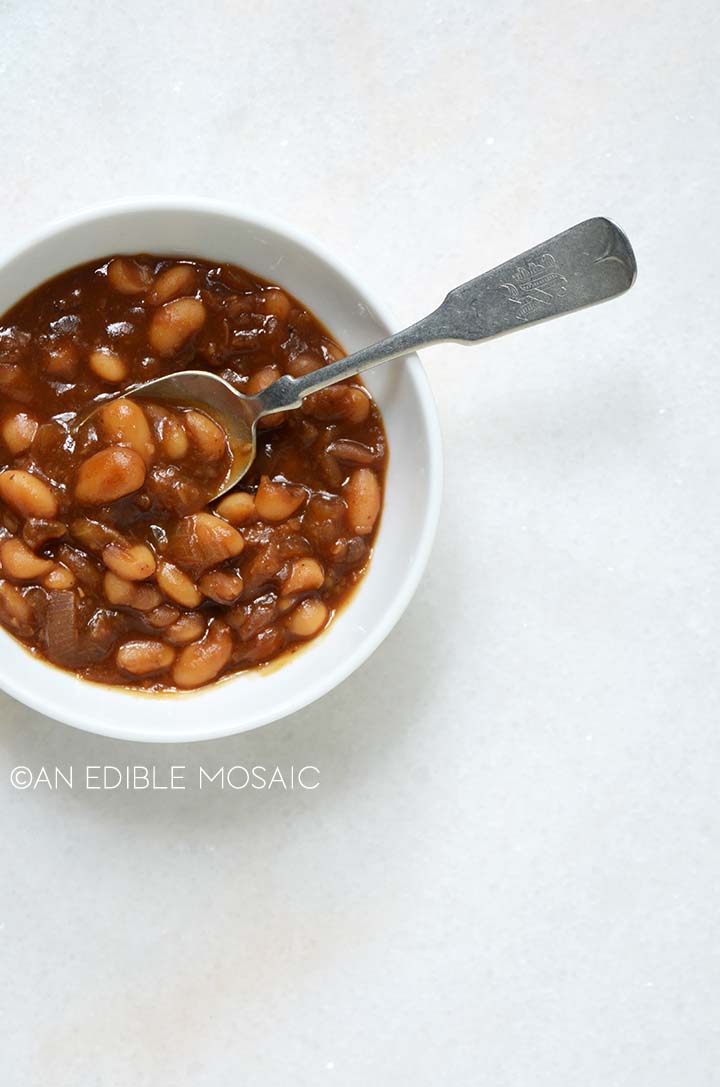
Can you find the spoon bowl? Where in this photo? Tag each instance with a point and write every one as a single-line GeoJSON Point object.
{"type": "Point", "coordinates": [236, 413]}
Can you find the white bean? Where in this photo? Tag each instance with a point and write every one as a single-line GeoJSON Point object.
{"type": "Point", "coordinates": [362, 494]}
{"type": "Point", "coordinates": [306, 574]}
{"type": "Point", "coordinates": [108, 365]}
{"type": "Point", "coordinates": [18, 432]}
{"type": "Point", "coordinates": [127, 276]}
{"type": "Point", "coordinates": [108, 475]}
{"type": "Point", "coordinates": [200, 662]}
{"type": "Point", "coordinates": [277, 501]}
{"type": "Point", "coordinates": [133, 562]}
{"type": "Point", "coordinates": [123, 422]}
{"type": "Point", "coordinates": [174, 323]}
{"type": "Point", "coordinates": [20, 562]}
{"type": "Point", "coordinates": [177, 586]}
{"type": "Point", "coordinates": [307, 618]}
{"type": "Point", "coordinates": [237, 508]}
{"type": "Point", "coordinates": [27, 494]}
{"type": "Point", "coordinates": [209, 438]}
{"type": "Point", "coordinates": [143, 657]}
{"type": "Point", "coordinates": [178, 279]}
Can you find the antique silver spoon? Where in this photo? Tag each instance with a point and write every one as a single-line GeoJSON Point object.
{"type": "Point", "coordinates": [589, 263]}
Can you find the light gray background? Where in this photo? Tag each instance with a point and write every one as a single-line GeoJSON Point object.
{"type": "Point", "coordinates": [509, 873]}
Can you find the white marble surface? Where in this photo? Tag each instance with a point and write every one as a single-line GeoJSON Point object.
{"type": "Point", "coordinates": [509, 872]}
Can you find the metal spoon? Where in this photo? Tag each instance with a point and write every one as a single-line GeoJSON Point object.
{"type": "Point", "coordinates": [589, 263]}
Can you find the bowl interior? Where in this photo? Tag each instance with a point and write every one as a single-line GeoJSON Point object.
{"type": "Point", "coordinates": [411, 499]}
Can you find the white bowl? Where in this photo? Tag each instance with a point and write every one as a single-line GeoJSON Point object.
{"type": "Point", "coordinates": [412, 499]}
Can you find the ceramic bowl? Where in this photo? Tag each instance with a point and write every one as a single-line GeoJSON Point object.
{"type": "Point", "coordinates": [280, 253]}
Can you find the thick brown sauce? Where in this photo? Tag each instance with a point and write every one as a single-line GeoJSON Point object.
{"type": "Point", "coordinates": [154, 589]}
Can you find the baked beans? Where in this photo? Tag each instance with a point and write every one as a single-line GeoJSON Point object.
{"type": "Point", "coordinates": [113, 562]}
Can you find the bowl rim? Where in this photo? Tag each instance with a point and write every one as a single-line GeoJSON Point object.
{"type": "Point", "coordinates": [72, 715]}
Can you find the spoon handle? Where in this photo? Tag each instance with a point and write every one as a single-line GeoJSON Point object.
{"type": "Point", "coordinates": [589, 263]}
